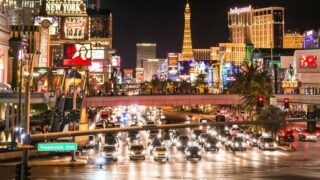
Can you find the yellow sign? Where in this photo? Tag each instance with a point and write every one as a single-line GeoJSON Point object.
{"type": "Point", "coordinates": [290, 84]}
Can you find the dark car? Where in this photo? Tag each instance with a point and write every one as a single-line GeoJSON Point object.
{"type": "Point", "coordinates": [228, 142]}
{"type": "Point", "coordinates": [111, 140]}
{"type": "Point", "coordinates": [287, 136]}
{"type": "Point", "coordinates": [203, 137]}
{"type": "Point", "coordinates": [307, 136]}
{"type": "Point", "coordinates": [183, 142]}
{"type": "Point", "coordinates": [224, 137]}
{"type": "Point", "coordinates": [238, 144]}
{"type": "Point", "coordinates": [196, 133]}
{"type": "Point", "coordinates": [156, 142]}
{"type": "Point", "coordinates": [193, 152]}
{"type": "Point", "coordinates": [211, 143]}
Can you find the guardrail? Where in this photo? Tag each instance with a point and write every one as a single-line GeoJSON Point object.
{"type": "Point", "coordinates": [16, 95]}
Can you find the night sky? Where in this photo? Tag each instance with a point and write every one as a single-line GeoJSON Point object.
{"type": "Point", "coordinates": [161, 22]}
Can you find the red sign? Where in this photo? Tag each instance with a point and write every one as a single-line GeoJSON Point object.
{"type": "Point", "coordinates": [77, 55]}
{"type": "Point", "coordinates": [308, 61]}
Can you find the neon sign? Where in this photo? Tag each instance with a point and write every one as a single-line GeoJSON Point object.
{"type": "Point", "coordinates": [65, 7]}
{"type": "Point", "coordinates": [237, 10]}
{"type": "Point", "coordinates": [309, 61]}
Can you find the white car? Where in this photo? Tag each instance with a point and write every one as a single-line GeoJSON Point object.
{"type": "Point", "coordinates": [137, 151]}
{"type": "Point", "coordinates": [110, 152]}
{"type": "Point", "coordinates": [267, 143]}
{"type": "Point", "coordinates": [160, 153]}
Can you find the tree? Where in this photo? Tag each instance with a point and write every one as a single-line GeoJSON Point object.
{"type": "Point", "coordinates": [273, 113]}
{"type": "Point", "coordinates": [155, 83]}
{"type": "Point", "coordinates": [185, 87]}
{"type": "Point", "coordinates": [200, 83]}
{"type": "Point", "coordinates": [250, 84]}
{"type": "Point", "coordinates": [144, 86]}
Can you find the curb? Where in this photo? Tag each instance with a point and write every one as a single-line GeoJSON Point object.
{"type": "Point", "coordinates": [286, 148]}
{"type": "Point", "coordinates": [52, 163]}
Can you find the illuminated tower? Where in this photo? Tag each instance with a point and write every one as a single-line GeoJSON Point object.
{"type": "Point", "coordinates": [187, 53]}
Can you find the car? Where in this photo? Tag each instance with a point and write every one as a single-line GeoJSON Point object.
{"type": "Point", "coordinates": [92, 142]}
{"type": "Point", "coordinates": [183, 142]}
{"type": "Point", "coordinates": [253, 140]}
{"type": "Point", "coordinates": [111, 140]}
{"type": "Point", "coordinates": [238, 144]}
{"type": "Point", "coordinates": [189, 117]}
{"type": "Point", "coordinates": [223, 138]}
{"type": "Point", "coordinates": [234, 130]}
{"type": "Point", "coordinates": [307, 136]}
{"type": "Point", "coordinates": [133, 135]}
{"type": "Point", "coordinates": [286, 136]}
{"type": "Point", "coordinates": [211, 143]}
{"type": "Point", "coordinates": [203, 125]}
{"type": "Point", "coordinates": [267, 143]}
{"type": "Point", "coordinates": [110, 152]}
{"type": "Point", "coordinates": [154, 133]}
{"type": "Point", "coordinates": [193, 152]}
{"type": "Point", "coordinates": [137, 151]}
{"type": "Point", "coordinates": [196, 133]}
{"type": "Point", "coordinates": [156, 142]}
{"type": "Point", "coordinates": [160, 153]}
{"type": "Point", "coordinates": [228, 142]}
{"type": "Point", "coordinates": [203, 137]}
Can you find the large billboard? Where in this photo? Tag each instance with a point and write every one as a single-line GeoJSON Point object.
{"type": "Point", "coordinates": [307, 61]}
{"type": "Point", "coordinates": [75, 28]}
{"type": "Point", "coordinates": [194, 67]}
{"type": "Point", "coordinates": [77, 54]}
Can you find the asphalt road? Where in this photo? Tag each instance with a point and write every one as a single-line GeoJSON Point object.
{"type": "Point", "coordinates": [251, 164]}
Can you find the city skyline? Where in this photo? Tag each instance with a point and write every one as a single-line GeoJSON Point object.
{"type": "Point", "coordinates": [166, 29]}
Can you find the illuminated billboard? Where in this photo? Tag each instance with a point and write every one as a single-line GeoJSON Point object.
{"type": "Point", "coordinates": [77, 55]}
{"type": "Point", "coordinates": [96, 66]}
{"type": "Point", "coordinates": [115, 61]}
{"type": "Point", "coordinates": [98, 53]}
{"type": "Point", "coordinates": [75, 28]}
{"type": "Point", "coordinates": [173, 60]}
{"type": "Point", "coordinates": [194, 67]}
{"type": "Point", "coordinates": [307, 61]}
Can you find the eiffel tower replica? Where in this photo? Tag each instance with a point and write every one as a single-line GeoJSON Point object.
{"type": "Point", "coordinates": [187, 53]}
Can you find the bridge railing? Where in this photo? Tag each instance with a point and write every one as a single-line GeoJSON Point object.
{"type": "Point", "coordinates": [16, 95]}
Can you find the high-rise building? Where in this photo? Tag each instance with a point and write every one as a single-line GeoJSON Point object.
{"type": "Point", "coordinates": [264, 27]}
{"type": "Point", "coordinates": [201, 54]}
{"type": "Point", "coordinates": [232, 53]}
{"type": "Point", "coordinates": [187, 53]}
{"type": "Point", "coordinates": [151, 67]}
{"type": "Point", "coordinates": [293, 40]}
{"type": "Point", "coordinates": [145, 51]}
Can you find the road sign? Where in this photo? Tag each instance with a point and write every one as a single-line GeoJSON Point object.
{"type": "Point", "coordinates": [57, 146]}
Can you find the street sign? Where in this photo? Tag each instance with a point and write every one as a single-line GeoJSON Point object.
{"type": "Point", "coordinates": [57, 146]}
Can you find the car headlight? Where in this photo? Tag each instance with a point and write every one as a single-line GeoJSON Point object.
{"type": "Point", "coordinates": [208, 145]}
{"type": "Point", "coordinates": [254, 140]}
{"type": "Point", "coordinates": [100, 160]}
{"type": "Point", "coordinates": [91, 142]}
{"type": "Point", "coordinates": [143, 152]}
{"type": "Point", "coordinates": [103, 154]}
{"type": "Point", "coordinates": [266, 145]}
{"type": "Point", "coordinates": [275, 144]}
{"type": "Point", "coordinates": [243, 144]}
{"type": "Point", "coordinates": [189, 143]}
{"type": "Point", "coordinates": [237, 144]}
{"type": "Point", "coordinates": [217, 144]}
{"type": "Point", "coordinates": [229, 142]}
{"type": "Point", "coordinates": [201, 127]}
{"type": "Point", "coordinates": [199, 153]}
{"type": "Point", "coordinates": [179, 144]}
{"type": "Point", "coordinates": [193, 136]}
{"type": "Point", "coordinates": [188, 153]}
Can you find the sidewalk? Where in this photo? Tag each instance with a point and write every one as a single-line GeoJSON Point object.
{"type": "Point", "coordinates": [60, 161]}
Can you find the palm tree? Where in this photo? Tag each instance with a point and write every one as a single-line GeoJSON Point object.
{"type": "Point", "coordinates": [200, 84]}
{"type": "Point", "coordinates": [185, 87]}
{"type": "Point", "coordinates": [155, 83]}
{"type": "Point", "coordinates": [144, 86]}
{"type": "Point", "coordinates": [250, 84]}
{"type": "Point", "coordinates": [273, 113]}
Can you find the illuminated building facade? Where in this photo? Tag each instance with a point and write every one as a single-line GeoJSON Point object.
{"type": "Point", "coordinates": [262, 27]}
{"type": "Point", "coordinates": [293, 41]}
{"type": "Point", "coordinates": [145, 51]}
{"type": "Point", "coordinates": [187, 53]}
{"type": "Point", "coordinates": [202, 54]}
{"type": "Point", "coordinates": [152, 67]}
{"type": "Point", "coordinates": [311, 39]}
{"type": "Point", "coordinates": [232, 53]}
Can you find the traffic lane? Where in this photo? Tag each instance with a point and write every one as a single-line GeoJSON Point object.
{"type": "Point", "coordinates": [252, 163]}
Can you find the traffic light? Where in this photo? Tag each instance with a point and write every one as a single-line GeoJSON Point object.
{"type": "Point", "coordinates": [260, 102]}
{"type": "Point", "coordinates": [18, 171]}
{"type": "Point", "coordinates": [286, 103]}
